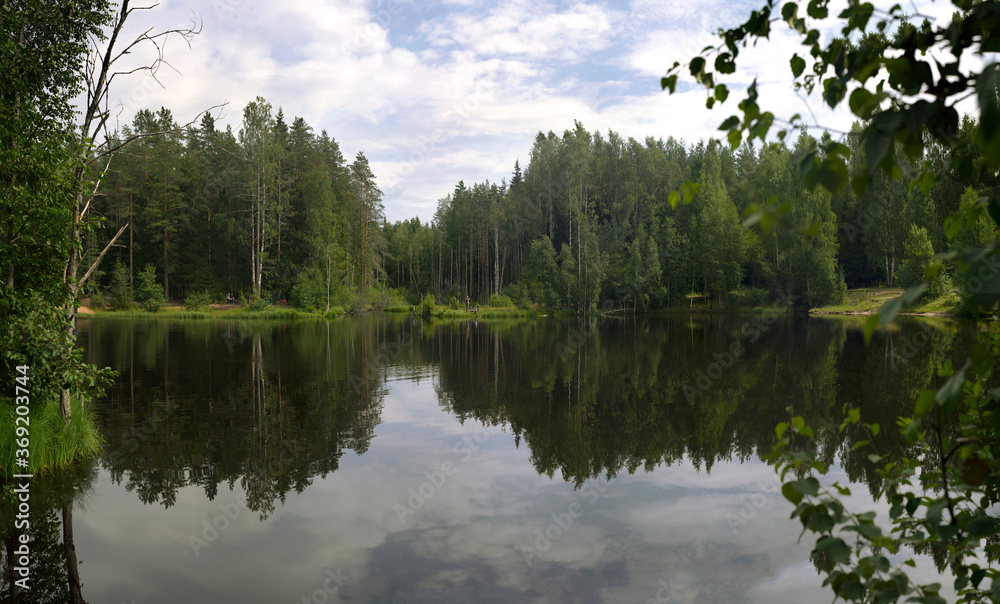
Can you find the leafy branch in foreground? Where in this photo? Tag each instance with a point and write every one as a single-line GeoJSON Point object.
{"type": "Point", "coordinates": [941, 500]}
{"type": "Point", "coordinates": [901, 80]}
{"type": "Point", "coordinates": [904, 82]}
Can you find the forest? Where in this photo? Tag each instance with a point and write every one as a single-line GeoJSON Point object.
{"type": "Point", "coordinates": [593, 221]}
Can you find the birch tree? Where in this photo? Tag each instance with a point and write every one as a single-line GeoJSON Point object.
{"type": "Point", "coordinates": [260, 149]}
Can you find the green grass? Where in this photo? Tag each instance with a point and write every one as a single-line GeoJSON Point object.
{"type": "Point", "coordinates": [484, 313]}
{"type": "Point", "coordinates": [177, 312]}
{"type": "Point", "coordinates": [948, 304]}
{"type": "Point", "coordinates": [51, 442]}
{"type": "Point", "coordinates": [141, 314]}
{"type": "Point", "coordinates": [869, 300]}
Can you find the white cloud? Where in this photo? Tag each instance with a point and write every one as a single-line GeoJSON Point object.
{"type": "Point", "coordinates": [437, 93]}
{"type": "Point", "coordinates": [524, 28]}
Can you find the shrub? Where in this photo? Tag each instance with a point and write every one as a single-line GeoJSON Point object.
{"type": "Point", "coordinates": [412, 298]}
{"type": "Point", "coordinates": [259, 304]}
{"type": "Point", "coordinates": [97, 300]}
{"type": "Point", "coordinates": [150, 291]}
{"type": "Point", "coordinates": [518, 294]}
{"type": "Point", "coordinates": [397, 297]}
{"type": "Point", "coordinates": [198, 300]}
{"type": "Point", "coordinates": [750, 297]}
{"type": "Point", "coordinates": [427, 306]}
{"type": "Point", "coordinates": [500, 301]}
{"type": "Point", "coordinates": [310, 291]}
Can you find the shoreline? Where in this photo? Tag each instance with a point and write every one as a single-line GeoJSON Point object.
{"type": "Point", "coordinates": [858, 302]}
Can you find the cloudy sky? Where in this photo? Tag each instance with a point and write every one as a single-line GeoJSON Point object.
{"type": "Point", "coordinates": [441, 90]}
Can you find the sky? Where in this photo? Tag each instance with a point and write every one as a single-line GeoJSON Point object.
{"type": "Point", "coordinates": [434, 92]}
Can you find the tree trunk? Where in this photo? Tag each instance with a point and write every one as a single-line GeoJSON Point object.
{"type": "Point", "coordinates": [496, 259]}
{"type": "Point", "coordinates": [72, 266]}
{"type": "Point", "coordinates": [328, 275]}
{"type": "Point", "coordinates": [72, 565]}
{"type": "Point", "coordinates": [166, 234]}
{"type": "Point", "coordinates": [130, 222]}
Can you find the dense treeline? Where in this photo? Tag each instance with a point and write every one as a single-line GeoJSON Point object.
{"type": "Point", "coordinates": [589, 223]}
{"type": "Point", "coordinates": [274, 211]}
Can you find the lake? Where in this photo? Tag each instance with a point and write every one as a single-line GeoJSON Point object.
{"type": "Point", "coordinates": [384, 458]}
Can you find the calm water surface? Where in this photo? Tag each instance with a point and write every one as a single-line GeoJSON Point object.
{"type": "Point", "coordinates": [388, 459]}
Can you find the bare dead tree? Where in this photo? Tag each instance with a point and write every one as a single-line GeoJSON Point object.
{"type": "Point", "coordinates": [103, 66]}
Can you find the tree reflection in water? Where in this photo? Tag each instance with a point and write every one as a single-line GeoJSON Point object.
{"type": "Point", "coordinates": [270, 406]}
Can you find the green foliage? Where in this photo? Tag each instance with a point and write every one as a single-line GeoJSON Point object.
{"type": "Point", "coordinates": [940, 498]}
{"type": "Point", "coordinates": [120, 296]}
{"type": "Point", "coordinates": [43, 52]}
{"type": "Point", "coordinates": [40, 352]}
{"type": "Point", "coordinates": [310, 292]}
{"type": "Point", "coordinates": [53, 443]}
{"type": "Point", "coordinates": [398, 296]}
{"type": "Point", "coordinates": [500, 301]}
{"type": "Point", "coordinates": [541, 274]}
{"type": "Point", "coordinates": [149, 293]}
{"type": "Point", "coordinates": [258, 305]}
{"type": "Point", "coordinates": [972, 225]}
{"type": "Point", "coordinates": [920, 264]}
{"type": "Point", "coordinates": [97, 300]}
{"type": "Point", "coordinates": [427, 306]}
{"type": "Point", "coordinates": [906, 114]}
{"type": "Point", "coordinates": [750, 297]}
{"type": "Point", "coordinates": [718, 238]}
{"type": "Point", "coordinates": [518, 293]}
{"type": "Point", "coordinates": [198, 300]}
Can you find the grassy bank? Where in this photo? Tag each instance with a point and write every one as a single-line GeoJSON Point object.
{"type": "Point", "coordinates": [857, 302]}
{"type": "Point", "coordinates": [51, 442]}
{"type": "Point", "coordinates": [867, 301]}
{"type": "Point", "coordinates": [219, 312]}
{"type": "Point", "coordinates": [485, 312]}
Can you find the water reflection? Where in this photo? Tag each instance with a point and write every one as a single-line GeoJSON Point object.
{"type": "Point", "coordinates": [325, 431]}
{"type": "Point", "coordinates": [267, 406]}
{"type": "Point", "coordinates": [52, 574]}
